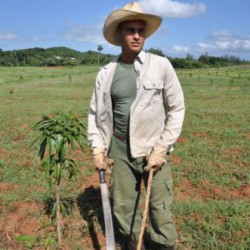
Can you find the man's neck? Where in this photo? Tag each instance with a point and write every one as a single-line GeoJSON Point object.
{"type": "Point", "coordinates": [128, 57]}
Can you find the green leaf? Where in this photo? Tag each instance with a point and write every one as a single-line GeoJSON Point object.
{"type": "Point", "coordinates": [57, 133]}
{"type": "Point", "coordinates": [58, 173]}
{"type": "Point", "coordinates": [50, 241]}
{"type": "Point", "coordinates": [51, 145]}
{"type": "Point", "coordinates": [33, 142]}
{"type": "Point", "coordinates": [46, 166]}
{"type": "Point", "coordinates": [35, 127]}
{"type": "Point", "coordinates": [42, 124]}
{"type": "Point", "coordinates": [24, 237]}
{"type": "Point", "coordinates": [71, 141]}
{"type": "Point", "coordinates": [70, 165]}
{"type": "Point", "coordinates": [59, 143]}
{"type": "Point", "coordinates": [63, 209]}
{"type": "Point", "coordinates": [50, 182]}
{"type": "Point", "coordinates": [79, 140]}
{"type": "Point", "coordinates": [62, 153]}
{"type": "Point", "coordinates": [53, 212]}
{"type": "Point", "coordinates": [49, 167]}
{"type": "Point", "coordinates": [42, 149]}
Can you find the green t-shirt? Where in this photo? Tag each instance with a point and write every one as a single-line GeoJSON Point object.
{"type": "Point", "coordinates": [123, 92]}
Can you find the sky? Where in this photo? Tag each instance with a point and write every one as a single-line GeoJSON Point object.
{"type": "Point", "coordinates": [194, 27]}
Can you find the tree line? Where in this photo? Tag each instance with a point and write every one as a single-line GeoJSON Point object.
{"type": "Point", "coordinates": [189, 62]}
{"type": "Point", "coordinates": [63, 56]}
{"type": "Point", "coordinates": [55, 56]}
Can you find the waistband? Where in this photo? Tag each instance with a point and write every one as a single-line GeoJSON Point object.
{"type": "Point", "coordinates": [120, 137]}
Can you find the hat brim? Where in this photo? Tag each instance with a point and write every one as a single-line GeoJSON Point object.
{"type": "Point", "coordinates": [118, 16]}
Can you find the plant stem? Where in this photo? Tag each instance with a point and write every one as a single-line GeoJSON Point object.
{"type": "Point", "coordinates": [58, 215]}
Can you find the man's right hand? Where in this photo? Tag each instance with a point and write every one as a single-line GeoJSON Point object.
{"type": "Point", "coordinates": [100, 161]}
{"type": "Point", "coordinates": [99, 158]}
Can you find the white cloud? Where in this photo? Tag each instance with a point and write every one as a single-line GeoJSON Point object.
{"type": "Point", "coordinates": [171, 8]}
{"type": "Point", "coordinates": [180, 49]}
{"type": "Point", "coordinates": [205, 46]}
{"type": "Point", "coordinates": [37, 39]}
{"type": "Point", "coordinates": [7, 36]}
{"type": "Point", "coordinates": [221, 34]}
{"type": "Point", "coordinates": [223, 42]}
{"type": "Point", "coordinates": [234, 44]}
{"type": "Point", "coordinates": [81, 33]}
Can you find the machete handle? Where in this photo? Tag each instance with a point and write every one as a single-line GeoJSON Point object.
{"type": "Point", "coordinates": [102, 176]}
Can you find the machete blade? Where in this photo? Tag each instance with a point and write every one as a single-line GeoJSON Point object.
{"type": "Point", "coordinates": [109, 230]}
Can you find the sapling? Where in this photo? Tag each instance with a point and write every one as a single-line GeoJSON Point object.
{"type": "Point", "coordinates": [57, 133]}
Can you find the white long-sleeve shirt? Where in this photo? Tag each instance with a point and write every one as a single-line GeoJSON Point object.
{"type": "Point", "coordinates": [156, 115]}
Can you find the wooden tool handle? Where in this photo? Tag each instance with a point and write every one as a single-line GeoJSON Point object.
{"type": "Point", "coordinates": [145, 213]}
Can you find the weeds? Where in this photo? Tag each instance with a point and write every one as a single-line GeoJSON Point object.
{"type": "Point", "coordinates": [210, 163]}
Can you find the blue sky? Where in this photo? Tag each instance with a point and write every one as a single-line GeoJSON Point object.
{"type": "Point", "coordinates": [216, 27]}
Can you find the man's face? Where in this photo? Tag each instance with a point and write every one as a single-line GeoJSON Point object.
{"type": "Point", "coordinates": [132, 36]}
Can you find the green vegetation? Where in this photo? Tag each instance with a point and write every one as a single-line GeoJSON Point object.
{"type": "Point", "coordinates": [57, 134]}
{"type": "Point", "coordinates": [210, 162]}
{"type": "Point", "coordinates": [56, 56]}
{"type": "Point", "coordinates": [62, 56]}
{"type": "Point", "coordinates": [212, 178]}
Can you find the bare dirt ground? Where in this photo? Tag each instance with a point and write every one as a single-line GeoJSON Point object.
{"type": "Point", "coordinates": [29, 218]}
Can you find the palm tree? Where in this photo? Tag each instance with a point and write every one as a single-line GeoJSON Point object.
{"type": "Point", "coordinates": [100, 49]}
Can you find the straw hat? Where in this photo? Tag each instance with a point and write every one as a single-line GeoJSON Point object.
{"type": "Point", "coordinates": [129, 12]}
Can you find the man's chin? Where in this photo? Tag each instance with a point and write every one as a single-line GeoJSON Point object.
{"type": "Point", "coordinates": [136, 49]}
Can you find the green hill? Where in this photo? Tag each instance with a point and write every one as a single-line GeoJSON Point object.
{"type": "Point", "coordinates": [55, 56]}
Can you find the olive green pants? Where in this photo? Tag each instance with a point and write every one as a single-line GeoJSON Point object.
{"type": "Point", "coordinates": [125, 196]}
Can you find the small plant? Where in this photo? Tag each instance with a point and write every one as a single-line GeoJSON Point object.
{"type": "Point", "coordinates": [26, 240]}
{"type": "Point", "coordinates": [70, 78]}
{"type": "Point", "coordinates": [57, 133]}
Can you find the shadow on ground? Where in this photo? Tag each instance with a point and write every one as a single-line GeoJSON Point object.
{"type": "Point", "coordinates": [90, 205]}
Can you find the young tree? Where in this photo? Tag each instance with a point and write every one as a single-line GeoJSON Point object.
{"type": "Point", "coordinates": [56, 134]}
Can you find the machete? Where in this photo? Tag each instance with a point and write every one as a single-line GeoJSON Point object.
{"type": "Point", "coordinates": [109, 230]}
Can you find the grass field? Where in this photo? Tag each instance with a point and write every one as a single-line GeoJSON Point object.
{"type": "Point", "coordinates": [210, 162]}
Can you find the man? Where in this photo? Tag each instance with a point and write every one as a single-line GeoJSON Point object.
{"type": "Point", "coordinates": [136, 115]}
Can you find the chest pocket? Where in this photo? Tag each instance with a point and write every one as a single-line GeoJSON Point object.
{"type": "Point", "coordinates": [152, 92]}
{"type": "Point", "coordinates": [157, 84]}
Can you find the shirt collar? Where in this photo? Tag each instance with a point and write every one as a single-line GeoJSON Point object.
{"type": "Point", "coordinates": [141, 57]}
